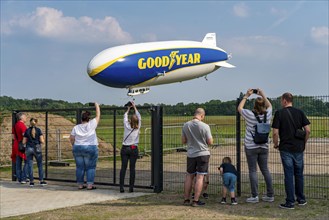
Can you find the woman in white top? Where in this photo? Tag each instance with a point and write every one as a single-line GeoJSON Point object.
{"type": "Point", "coordinates": [257, 153]}
{"type": "Point", "coordinates": [129, 150]}
{"type": "Point", "coordinates": [85, 148]}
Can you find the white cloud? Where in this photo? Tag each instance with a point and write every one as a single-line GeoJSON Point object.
{"type": "Point", "coordinates": [51, 23]}
{"type": "Point", "coordinates": [241, 10]}
{"type": "Point", "coordinates": [320, 35]}
{"type": "Point", "coordinates": [258, 45]}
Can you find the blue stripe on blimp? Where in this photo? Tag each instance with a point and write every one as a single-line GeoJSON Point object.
{"type": "Point", "coordinates": [136, 68]}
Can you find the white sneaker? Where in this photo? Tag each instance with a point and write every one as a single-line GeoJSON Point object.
{"type": "Point", "coordinates": [253, 199]}
{"type": "Point", "coordinates": [268, 199]}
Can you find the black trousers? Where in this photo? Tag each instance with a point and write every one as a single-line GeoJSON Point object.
{"type": "Point", "coordinates": [131, 155]}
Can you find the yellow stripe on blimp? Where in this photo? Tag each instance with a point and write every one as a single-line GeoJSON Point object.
{"type": "Point", "coordinates": [103, 67]}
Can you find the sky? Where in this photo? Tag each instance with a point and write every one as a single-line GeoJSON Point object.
{"type": "Point", "coordinates": [278, 46]}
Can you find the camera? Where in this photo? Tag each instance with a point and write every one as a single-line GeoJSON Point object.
{"type": "Point", "coordinates": [91, 104]}
{"type": "Point", "coordinates": [255, 91]}
{"type": "Point", "coordinates": [128, 104]}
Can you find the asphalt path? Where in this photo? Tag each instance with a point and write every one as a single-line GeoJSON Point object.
{"type": "Point", "coordinates": [15, 196]}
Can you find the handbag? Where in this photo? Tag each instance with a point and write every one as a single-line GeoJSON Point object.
{"type": "Point", "coordinates": [299, 132]}
{"type": "Point", "coordinates": [21, 146]}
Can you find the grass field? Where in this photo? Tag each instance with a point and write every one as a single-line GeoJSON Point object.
{"type": "Point", "coordinates": [169, 206]}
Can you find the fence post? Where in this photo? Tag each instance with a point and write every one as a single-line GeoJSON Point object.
{"type": "Point", "coordinates": [13, 165]}
{"type": "Point", "coordinates": [46, 153]}
{"type": "Point", "coordinates": [156, 150]}
{"type": "Point", "coordinates": [114, 146]}
{"type": "Point", "coordinates": [238, 147]}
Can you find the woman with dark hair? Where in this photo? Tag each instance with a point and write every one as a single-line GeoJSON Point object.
{"type": "Point", "coordinates": [33, 138]}
{"type": "Point", "coordinates": [257, 153]}
{"type": "Point", "coordinates": [85, 148]}
{"type": "Point", "coordinates": [129, 150]}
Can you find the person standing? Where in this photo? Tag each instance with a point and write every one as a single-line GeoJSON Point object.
{"type": "Point", "coordinates": [257, 153]}
{"type": "Point", "coordinates": [285, 123]}
{"type": "Point", "coordinates": [129, 150]}
{"type": "Point", "coordinates": [197, 135]}
{"type": "Point", "coordinates": [33, 138]}
{"type": "Point", "coordinates": [85, 148]}
{"type": "Point", "coordinates": [229, 174]}
{"type": "Point", "coordinates": [17, 156]}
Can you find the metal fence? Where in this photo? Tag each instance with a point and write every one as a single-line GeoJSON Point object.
{"type": "Point", "coordinates": [228, 133]}
{"type": "Point", "coordinates": [162, 135]}
{"type": "Point", "coordinates": [59, 164]}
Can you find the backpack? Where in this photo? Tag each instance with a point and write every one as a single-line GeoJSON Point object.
{"type": "Point", "coordinates": [262, 130]}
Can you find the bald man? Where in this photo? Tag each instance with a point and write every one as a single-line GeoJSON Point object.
{"type": "Point", "coordinates": [197, 136]}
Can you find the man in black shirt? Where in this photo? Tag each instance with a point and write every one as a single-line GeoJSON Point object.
{"type": "Point", "coordinates": [285, 123]}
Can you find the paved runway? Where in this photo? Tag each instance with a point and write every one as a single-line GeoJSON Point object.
{"type": "Point", "coordinates": [13, 197]}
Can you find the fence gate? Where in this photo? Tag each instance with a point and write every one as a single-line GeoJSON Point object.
{"type": "Point", "coordinates": [59, 164]}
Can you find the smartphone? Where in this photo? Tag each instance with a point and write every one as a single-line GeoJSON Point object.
{"type": "Point", "coordinates": [255, 91]}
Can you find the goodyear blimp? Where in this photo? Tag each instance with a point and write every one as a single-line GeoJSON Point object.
{"type": "Point", "coordinates": [139, 66]}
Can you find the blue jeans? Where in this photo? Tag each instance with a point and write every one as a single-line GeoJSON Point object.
{"type": "Point", "coordinates": [293, 167]}
{"type": "Point", "coordinates": [21, 174]}
{"type": "Point", "coordinates": [259, 156]}
{"type": "Point", "coordinates": [229, 180]}
{"type": "Point", "coordinates": [85, 159]}
{"type": "Point", "coordinates": [38, 156]}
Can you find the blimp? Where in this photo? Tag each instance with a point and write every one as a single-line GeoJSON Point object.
{"type": "Point", "coordinates": [139, 66]}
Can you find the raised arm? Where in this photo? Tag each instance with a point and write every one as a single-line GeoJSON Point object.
{"type": "Point", "coordinates": [98, 112]}
{"type": "Point", "coordinates": [267, 102]}
{"type": "Point", "coordinates": [244, 99]}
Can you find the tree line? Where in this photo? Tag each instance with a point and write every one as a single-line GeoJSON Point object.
{"type": "Point", "coordinates": [312, 106]}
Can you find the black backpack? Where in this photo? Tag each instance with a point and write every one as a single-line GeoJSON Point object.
{"type": "Point", "coordinates": [262, 130]}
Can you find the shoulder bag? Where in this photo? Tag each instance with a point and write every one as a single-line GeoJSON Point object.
{"type": "Point", "coordinates": [299, 132]}
{"type": "Point", "coordinates": [21, 147]}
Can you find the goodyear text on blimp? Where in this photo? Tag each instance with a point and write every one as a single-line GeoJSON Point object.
{"type": "Point", "coordinates": [169, 61]}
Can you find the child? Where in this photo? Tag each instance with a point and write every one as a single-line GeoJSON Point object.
{"type": "Point", "coordinates": [229, 174]}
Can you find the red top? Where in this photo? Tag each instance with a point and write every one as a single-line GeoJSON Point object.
{"type": "Point", "coordinates": [18, 136]}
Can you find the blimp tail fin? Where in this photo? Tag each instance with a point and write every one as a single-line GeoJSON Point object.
{"type": "Point", "coordinates": [210, 39]}
{"type": "Point", "coordinates": [224, 64]}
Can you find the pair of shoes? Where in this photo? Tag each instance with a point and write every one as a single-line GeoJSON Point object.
{"type": "Point", "coordinates": [233, 201]}
{"type": "Point", "coordinates": [186, 202]}
{"type": "Point", "coordinates": [122, 190]}
{"type": "Point", "coordinates": [31, 184]}
{"type": "Point", "coordinates": [91, 187]}
{"type": "Point", "coordinates": [131, 190]}
{"type": "Point", "coordinates": [286, 206]}
{"type": "Point", "coordinates": [205, 195]}
{"type": "Point", "coordinates": [223, 201]}
{"type": "Point", "coordinates": [268, 198]}
{"type": "Point", "coordinates": [43, 183]}
{"type": "Point", "coordinates": [302, 202]}
{"type": "Point", "coordinates": [197, 203]}
{"type": "Point", "coordinates": [252, 199]}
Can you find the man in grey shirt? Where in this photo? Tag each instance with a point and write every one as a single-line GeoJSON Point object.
{"type": "Point", "coordinates": [197, 135]}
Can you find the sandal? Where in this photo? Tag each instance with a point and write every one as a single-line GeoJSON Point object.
{"type": "Point", "coordinates": [82, 187]}
{"type": "Point", "coordinates": [91, 188]}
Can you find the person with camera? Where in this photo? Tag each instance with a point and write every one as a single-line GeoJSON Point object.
{"type": "Point", "coordinates": [257, 153]}
{"type": "Point", "coordinates": [291, 126]}
{"type": "Point", "coordinates": [129, 150]}
{"type": "Point", "coordinates": [33, 138]}
{"type": "Point", "coordinates": [85, 148]}
{"type": "Point", "coordinates": [18, 156]}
